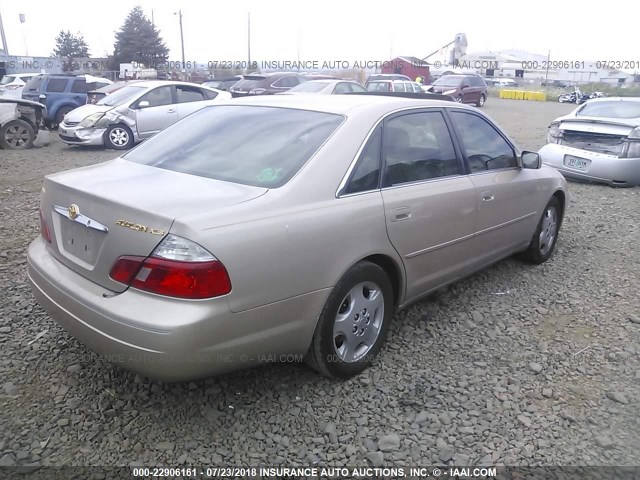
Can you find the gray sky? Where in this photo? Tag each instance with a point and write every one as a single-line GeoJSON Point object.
{"type": "Point", "coordinates": [335, 29]}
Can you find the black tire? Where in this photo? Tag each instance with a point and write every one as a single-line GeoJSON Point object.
{"type": "Point", "coordinates": [459, 99]}
{"type": "Point", "coordinates": [118, 137]}
{"type": "Point", "coordinates": [60, 115]}
{"type": "Point", "coordinates": [542, 245]}
{"type": "Point", "coordinates": [17, 135]}
{"type": "Point", "coordinates": [481, 101]}
{"type": "Point", "coordinates": [326, 353]}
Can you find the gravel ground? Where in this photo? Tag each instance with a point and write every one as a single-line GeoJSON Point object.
{"type": "Point", "coordinates": [517, 365]}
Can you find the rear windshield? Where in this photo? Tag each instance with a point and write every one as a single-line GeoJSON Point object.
{"type": "Point", "coordinates": [34, 84]}
{"type": "Point", "coordinates": [309, 87]}
{"type": "Point", "coordinates": [379, 87]}
{"type": "Point", "coordinates": [250, 82]}
{"type": "Point", "coordinates": [121, 96]}
{"type": "Point", "coordinates": [251, 145]}
{"type": "Point", "coordinates": [613, 109]}
{"type": "Point", "coordinates": [448, 81]}
{"type": "Point", "coordinates": [7, 79]}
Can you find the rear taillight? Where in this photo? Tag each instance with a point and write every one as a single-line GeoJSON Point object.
{"type": "Point", "coordinates": [44, 228]}
{"type": "Point", "coordinates": [177, 268]}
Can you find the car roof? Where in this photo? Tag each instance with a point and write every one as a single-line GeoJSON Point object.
{"type": "Point", "coordinates": [342, 104]}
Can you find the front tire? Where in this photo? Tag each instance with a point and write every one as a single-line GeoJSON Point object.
{"type": "Point", "coordinates": [353, 324]}
{"type": "Point", "coordinates": [545, 237]}
{"type": "Point", "coordinates": [459, 99]}
{"type": "Point", "coordinates": [60, 114]}
{"type": "Point", "coordinates": [118, 137]}
{"type": "Point", "coordinates": [17, 135]}
{"type": "Point", "coordinates": [481, 101]}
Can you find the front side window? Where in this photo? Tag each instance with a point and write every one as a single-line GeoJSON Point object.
{"type": "Point", "coordinates": [366, 174]}
{"type": "Point", "coordinates": [158, 97]}
{"type": "Point", "coordinates": [56, 85]}
{"type": "Point", "coordinates": [251, 145]}
{"type": "Point", "coordinates": [484, 148]}
{"type": "Point", "coordinates": [418, 146]}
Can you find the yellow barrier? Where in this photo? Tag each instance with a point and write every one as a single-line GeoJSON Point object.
{"type": "Point", "coordinates": [523, 95]}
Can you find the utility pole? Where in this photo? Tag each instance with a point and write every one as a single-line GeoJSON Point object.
{"type": "Point", "coordinates": [248, 41]}
{"type": "Point", "coordinates": [546, 78]}
{"type": "Point", "coordinates": [24, 37]}
{"type": "Point", "coordinates": [4, 39]}
{"type": "Point", "coordinates": [184, 65]}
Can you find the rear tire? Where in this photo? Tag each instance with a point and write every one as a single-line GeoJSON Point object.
{"type": "Point", "coordinates": [353, 324]}
{"type": "Point", "coordinates": [545, 237]}
{"type": "Point", "coordinates": [118, 137]}
{"type": "Point", "coordinates": [17, 135]}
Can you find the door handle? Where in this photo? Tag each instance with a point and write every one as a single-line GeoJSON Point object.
{"type": "Point", "coordinates": [399, 214]}
{"type": "Point", "coordinates": [487, 196]}
{"type": "Point", "coordinates": [171, 110]}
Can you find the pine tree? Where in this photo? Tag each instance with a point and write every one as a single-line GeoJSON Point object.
{"type": "Point", "coordinates": [70, 46]}
{"type": "Point", "coordinates": [139, 41]}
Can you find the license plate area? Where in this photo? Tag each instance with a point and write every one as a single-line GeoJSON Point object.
{"type": "Point", "coordinates": [576, 163]}
{"type": "Point", "coordinates": [80, 241]}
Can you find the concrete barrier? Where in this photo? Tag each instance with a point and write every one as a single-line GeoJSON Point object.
{"type": "Point", "coordinates": [523, 95]}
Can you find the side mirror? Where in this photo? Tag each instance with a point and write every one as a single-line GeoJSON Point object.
{"type": "Point", "coordinates": [531, 160]}
{"type": "Point", "coordinates": [143, 104]}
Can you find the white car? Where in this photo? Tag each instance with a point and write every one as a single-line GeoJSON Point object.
{"type": "Point", "coordinates": [135, 112]}
{"type": "Point", "coordinates": [598, 142]}
{"type": "Point", "coordinates": [11, 85]}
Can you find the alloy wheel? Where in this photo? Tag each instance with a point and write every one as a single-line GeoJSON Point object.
{"type": "Point", "coordinates": [17, 136]}
{"type": "Point", "coordinates": [119, 136]}
{"type": "Point", "coordinates": [358, 322]}
{"type": "Point", "coordinates": [548, 231]}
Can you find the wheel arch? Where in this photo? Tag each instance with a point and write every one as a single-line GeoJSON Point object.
{"type": "Point", "coordinates": [393, 271]}
{"type": "Point", "coordinates": [562, 198]}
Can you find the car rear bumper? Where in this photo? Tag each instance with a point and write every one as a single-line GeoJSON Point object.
{"type": "Point", "coordinates": [75, 135]}
{"type": "Point", "coordinates": [601, 168]}
{"type": "Point", "coordinates": [167, 338]}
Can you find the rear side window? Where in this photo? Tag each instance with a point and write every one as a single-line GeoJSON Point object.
{"type": "Point", "coordinates": [81, 86]}
{"type": "Point", "coordinates": [189, 94]}
{"type": "Point", "coordinates": [418, 146]}
{"type": "Point", "coordinates": [209, 94]}
{"type": "Point", "coordinates": [484, 148]}
{"type": "Point", "coordinates": [477, 82]}
{"type": "Point", "coordinates": [56, 85]}
{"type": "Point", "coordinates": [251, 145]}
{"type": "Point", "coordinates": [366, 175]}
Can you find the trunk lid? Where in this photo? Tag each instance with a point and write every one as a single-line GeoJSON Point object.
{"type": "Point", "coordinates": [124, 208]}
{"type": "Point", "coordinates": [596, 125]}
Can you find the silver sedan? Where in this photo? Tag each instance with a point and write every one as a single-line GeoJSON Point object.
{"type": "Point", "coordinates": [326, 87]}
{"type": "Point", "coordinates": [280, 227]}
{"type": "Point", "coordinates": [597, 142]}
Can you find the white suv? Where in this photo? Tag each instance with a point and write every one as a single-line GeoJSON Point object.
{"type": "Point", "coordinates": [11, 85]}
{"type": "Point", "coordinates": [394, 86]}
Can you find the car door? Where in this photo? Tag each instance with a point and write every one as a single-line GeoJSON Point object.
{"type": "Point", "coordinates": [507, 195]}
{"type": "Point", "coordinates": [160, 112]}
{"type": "Point", "coordinates": [189, 99]}
{"type": "Point", "coordinates": [468, 95]}
{"type": "Point", "coordinates": [429, 201]}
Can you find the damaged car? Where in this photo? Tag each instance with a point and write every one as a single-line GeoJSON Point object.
{"type": "Point", "coordinates": [598, 142]}
{"type": "Point", "coordinates": [135, 112]}
{"type": "Point", "coordinates": [20, 121]}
